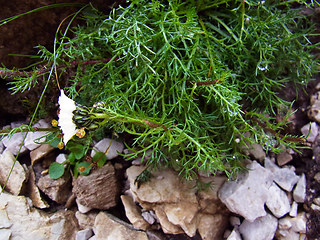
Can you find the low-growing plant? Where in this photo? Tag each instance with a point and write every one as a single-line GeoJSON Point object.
{"type": "Point", "coordinates": [193, 82]}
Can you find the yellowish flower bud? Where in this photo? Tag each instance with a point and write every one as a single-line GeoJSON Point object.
{"type": "Point", "coordinates": [61, 145]}
{"type": "Point", "coordinates": [54, 123]}
{"type": "Point", "coordinates": [81, 133]}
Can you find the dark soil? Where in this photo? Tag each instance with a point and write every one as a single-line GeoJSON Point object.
{"type": "Point", "coordinates": [22, 35]}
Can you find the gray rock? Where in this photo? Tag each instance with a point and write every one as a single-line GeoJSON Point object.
{"type": "Point", "coordinates": [256, 151]}
{"type": "Point", "coordinates": [1, 147]}
{"type": "Point", "coordinates": [263, 228]}
{"type": "Point", "coordinates": [61, 158]}
{"type": "Point", "coordinates": [99, 189]}
{"type": "Point", "coordinates": [311, 130]}
{"type": "Point", "coordinates": [38, 136]}
{"type": "Point", "coordinates": [106, 227]}
{"type": "Point", "coordinates": [314, 112]}
{"type": "Point", "coordinates": [278, 202]}
{"type": "Point", "coordinates": [114, 148]}
{"type": "Point", "coordinates": [178, 206]}
{"type": "Point", "coordinates": [15, 143]}
{"type": "Point", "coordinates": [30, 223]}
{"type": "Point", "coordinates": [84, 234]}
{"type": "Point", "coordinates": [235, 235]}
{"type": "Point", "coordinates": [5, 234]}
{"type": "Point", "coordinates": [299, 223]}
{"type": "Point", "coordinates": [294, 209]}
{"type": "Point", "coordinates": [40, 152]}
{"type": "Point", "coordinates": [58, 190]}
{"type": "Point", "coordinates": [18, 176]}
{"type": "Point", "coordinates": [286, 178]}
{"type": "Point", "coordinates": [247, 195]}
{"type": "Point", "coordinates": [82, 208]}
{"type": "Point", "coordinates": [133, 213]}
{"type": "Point", "coordinates": [299, 192]}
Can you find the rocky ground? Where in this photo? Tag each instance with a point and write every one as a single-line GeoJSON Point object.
{"type": "Point", "coordinates": [278, 198]}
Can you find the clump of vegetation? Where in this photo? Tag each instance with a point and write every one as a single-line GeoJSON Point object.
{"type": "Point", "coordinates": [193, 82]}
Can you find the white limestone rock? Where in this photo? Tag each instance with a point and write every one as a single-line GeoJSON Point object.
{"type": "Point", "coordinates": [31, 223]}
{"type": "Point", "coordinates": [285, 177]}
{"type": "Point", "coordinates": [18, 176]}
{"type": "Point", "coordinates": [133, 213]}
{"type": "Point", "coordinates": [34, 138]}
{"type": "Point", "coordinates": [278, 202]}
{"type": "Point", "coordinates": [84, 234]}
{"type": "Point", "coordinates": [114, 148]}
{"type": "Point", "coordinates": [14, 142]}
{"type": "Point", "coordinates": [294, 209]}
{"type": "Point", "coordinates": [299, 192]}
{"type": "Point", "coordinates": [247, 195]}
{"type": "Point", "coordinates": [107, 228]}
{"type": "Point", "coordinates": [311, 130]}
{"type": "Point", "coordinates": [235, 235]}
{"type": "Point", "coordinates": [178, 206]}
{"type": "Point", "coordinates": [61, 158]}
{"type": "Point", "coordinates": [299, 223]}
{"type": "Point", "coordinates": [263, 228]}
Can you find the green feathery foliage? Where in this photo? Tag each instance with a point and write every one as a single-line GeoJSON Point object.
{"type": "Point", "coordinates": [191, 81]}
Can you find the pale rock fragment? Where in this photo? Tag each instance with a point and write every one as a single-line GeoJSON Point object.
{"type": "Point", "coordinates": [263, 228]}
{"type": "Point", "coordinates": [107, 228]}
{"type": "Point", "coordinates": [40, 152]}
{"type": "Point", "coordinates": [34, 138]}
{"type": "Point", "coordinates": [310, 131]}
{"type": "Point", "coordinates": [15, 143]}
{"type": "Point", "coordinates": [299, 192]}
{"type": "Point", "coordinates": [84, 234]}
{"type": "Point", "coordinates": [235, 235]}
{"type": "Point", "coordinates": [110, 147]}
{"type": "Point", "coordinates": [247, 195]}
{"type": "Point", "coordinates": [277, 202]}
{"type": "Point", "coordinates": [285, 177]}
{"type": "Point", "coordinates": [18, 176]}
{"type": "Point", "coordinates": [294, 209]}
{"type": "Point", "coordinates": [133, 213]}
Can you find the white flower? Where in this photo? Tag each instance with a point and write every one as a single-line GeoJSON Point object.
{"type": "Point", "coordinates": [68, 127]}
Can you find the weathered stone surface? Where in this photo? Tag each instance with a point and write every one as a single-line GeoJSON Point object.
{"type": "Point", "coordinates": [285, 177]}
{"type": "Point", "coordinates": [178, 206]}
{"type": "Point", "coordinates": [1, 147]}
{"type": "Point", "coordinates": [34, 193]}
{"type": "Point", "coordinates": [107, 228]}
{"type": "Point", "coordinates": [58, 190]}
{"type": "Point", "coordinates": [86, 220]}
{"type": "Point", "coordinates": [256, 151]}
{"type": "Point", "coordinates": [299, 192]}
{"type": "Point", "coordinates": [262, 228]}
{"type": "Point", "coordinates": [14, 143]}
{"type": "Point", "coordinates": [61, 158]}
{"type": "Point", "coordinates": [40, 152]}
{"type": "Point", "coordinates": [82, 208]}
{"type": "Point", "coordinates": [28, 223]}
{"type": "Point", "coordinates": [278, 202]}
{"type": "Point", "coordinates": [114, 148]}
{"type": "Point", "coordinates": [311, 130]}
{"type": "Point", "coordinates": [133, 213]}
{"type": "Point", "coordinates": [299, 223]}
{"type": "Point", "coordinates": [84, 234]}
{"type": "Point", "coordinates": [283, 158]}
{"type": "Point", "coordinates": [211, 227]}
{"type": "Point", "coordinates": [18, 176]}
{"type": "Point", "coordinates": [247, 195]}
{"type": "Point", "coordinates": [34, 138]}
{"type": "Point", "coordinates": [235, 235]}
{"type": "Point", "coordinates": [294, 209]}
{"type": "Point", "coordinates": [99, 189]}
{"type": "Point", "coordinates": [314, 112]}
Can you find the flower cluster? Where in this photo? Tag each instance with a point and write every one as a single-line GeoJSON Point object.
{"type": "Point", "coordinates": [74, 118]}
